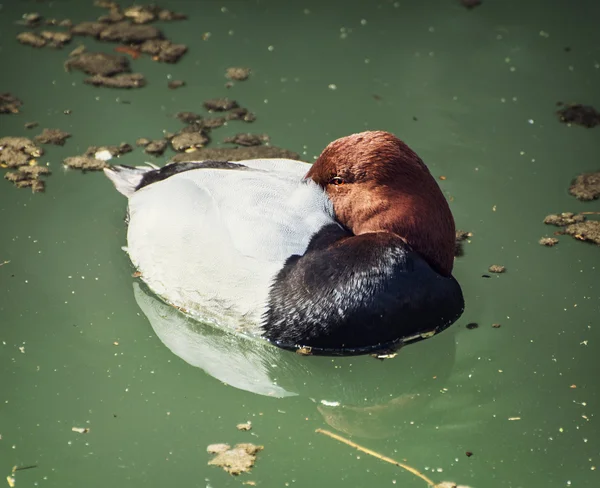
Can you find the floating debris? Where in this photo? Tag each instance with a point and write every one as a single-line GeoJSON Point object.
{"type": "Point", "coordinates": [80, 430]}
{"type": "Point", "coordinates": [52, 136]}
{"type": "Point", "coordinates": [472, 325]}
{"type": "Point", "coordinates": [584, 115]}
{"type": "Point", "coordinates": [18, 151]}
{"type": "Point", "coordinates": [9, 104]}
{"type": "Point", "coordinates": [564, 218]}
{"type": "Point", "coordinates": [220, 104]}
{"type": "Point", "coordinates": [28, 177]}
{"type": "Point", "coordinates": [248, 139]}
{"type": "Point", "coordinates": [586, 186]}
{"type": "Point", "coordinates": [236, 460]}
{"type": "Point", "coordinates": [125, 32]}
{"type": "Point", "coordinates": [585, 231]}
{"type": "Point", "coordinates": [548, 241]}
{"type": "Point", "coordinates": [85, 163]}
{"type": "Point", "coordinates": [496, 326]}
{"type": "Point", "coordinates": [237, 74]}
{"type": "Point", "coordinates": [113, 151]}
{"type": "Point", "coordinates": [187, 141]}
{"type": "Point", "coordinates": [174, 84]}
{"type": "Point", "coordinates": [91, 29]}
{"type": "Point", "coordinates": [32, 19]}
{"type": "Point", "coordinates": [246, 426]}
{"type": "Point", "coordinates": [304, 351]}
{"type": "Point", "coordinates": [461, 236]}
{"type": "Point", "coordinates": [189, 117]}
{"type": "Point", "coordinates": [241, 114]}
{"type": "Point", "coordinates": [96, 63]}
{"type": "Point", "coordinates": [56, 39]}
{"type": "Point", "coordinates": [95, 157]}
{"type": "Point", "coordinates": [213, 122]}
{"type": "Point", "coordinates": [31, 39]}
{"type": "Point", "coordinates": [131, 51]}
{"type": "Point", "coordinates": [410, 469]}
{"type": "Point", "coordinates": [496, 268]}
{"type": "Point", "coordinates": [31, 125]}
{"type": "Point", "coordinates": [163, 50]}
{"type": "Point", "coordinates": [156, 147]}
{"type": "Point", "coordinates": [142, 142]}
{"type": "Point", "coordinates": [126, 80]}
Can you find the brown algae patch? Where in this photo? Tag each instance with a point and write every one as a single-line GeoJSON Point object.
{"type": "Point", "coordinates": [18, 151]}
{"type": "Point", "coordinates": [236, 460]}
{"type": "Point", "coordinates": [578, 114]}
{"type": "Point", "coordinates": [9, 104]}
{"type": "Point", "coordinates": [548, 241]}
{"type": "Point", "coordinates": [95, 157]}
{"type": "Point", "coordinates": [586, 186]}
{"type": "Point", "coordinates": [585, 231]}
{"type": "Point", "coordinates": [85, 163]}
{"type": "Point", "coordinates": [247, 139]}
{"type": "Point", "coordinates": [127, 80]}
{"type": "Point", "coordinates": [52, 136]}
{"type": "Point", "coordinates": [564, 218]}
{"type": "Point", "coordinates": [96, 63]}
{"type": "Point", "coordinates": [28, 177]}
{"type": "Point", "coordinates": [237, 74]}
{"type": "Point", "coordinates": [220, 104]}
{"type": "Point", "coordinates": [461, 236]}
{"type": "Point", "coordinates": [156, 147]}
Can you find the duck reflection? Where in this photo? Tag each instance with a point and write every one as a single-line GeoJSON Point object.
{"type": "Point", "coordinates": [357, 395]}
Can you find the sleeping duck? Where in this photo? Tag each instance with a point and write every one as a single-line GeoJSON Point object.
{"type": "Point", "coordinates": [350, 255]}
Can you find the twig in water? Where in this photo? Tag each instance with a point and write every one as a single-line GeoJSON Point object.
{"type": "Point", "coordinates": [377, 455]}
{"type": "Point", "coordinates": [21, 468]}
{"type": "Point", "coordinates": [4, 262]}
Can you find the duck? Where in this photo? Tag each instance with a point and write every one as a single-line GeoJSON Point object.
{"type": "Point", "coordinates": [350, 255]}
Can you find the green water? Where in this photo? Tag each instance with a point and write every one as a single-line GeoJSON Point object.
{"type": "Point", "coordinates": [473, 80]}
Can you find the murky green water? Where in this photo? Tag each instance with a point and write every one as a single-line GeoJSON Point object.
{"type": "Point", "coordinates": [482, 85]}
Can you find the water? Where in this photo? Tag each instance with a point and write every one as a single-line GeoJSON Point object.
{"type": "Point", "coordinates": [81, 345]}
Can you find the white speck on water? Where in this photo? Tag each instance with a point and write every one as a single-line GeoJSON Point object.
{"type": "Point", "coordinates": [332, 86]}
{"type": "Point", "coordinates": [531, 121]}
{"type": "Point", "coordinates": [363, 21]}
{"type": "Point", "coordinates": [271, 48]}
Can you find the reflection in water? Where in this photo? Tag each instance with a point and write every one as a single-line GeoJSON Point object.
{"type": "Point", "coordinates": [356, 395]}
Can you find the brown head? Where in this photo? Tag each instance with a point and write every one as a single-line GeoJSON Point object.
{"type": "Point", "coordinates": [378, 184]}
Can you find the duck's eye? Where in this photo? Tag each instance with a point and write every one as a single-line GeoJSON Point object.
{"type": "Point", "coordinates": [336, 180]}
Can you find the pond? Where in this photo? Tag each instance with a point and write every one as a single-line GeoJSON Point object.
{"type": "Point", "coordinates": [102, 384]}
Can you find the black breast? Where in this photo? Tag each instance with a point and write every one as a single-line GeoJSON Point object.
{"type": "Point", "coordinates": [349, 294]}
